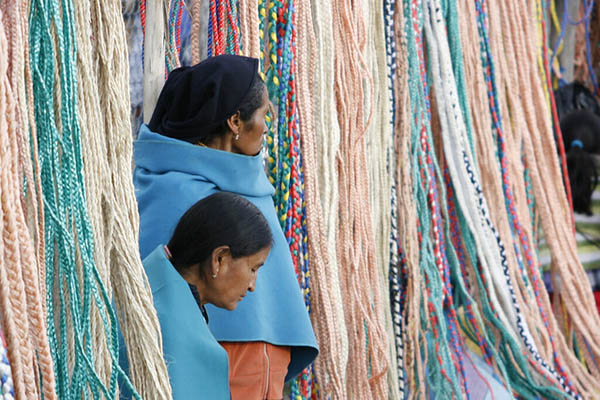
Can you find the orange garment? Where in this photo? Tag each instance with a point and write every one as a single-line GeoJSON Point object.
{"type": "Point", "coordinates": [256, 370]}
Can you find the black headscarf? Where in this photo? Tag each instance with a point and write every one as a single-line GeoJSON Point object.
{"type": "Point", "coordinates": [197, 100]}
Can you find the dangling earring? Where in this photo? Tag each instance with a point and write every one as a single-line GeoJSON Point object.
{"type": "Point", "coordinates": [237, 136]}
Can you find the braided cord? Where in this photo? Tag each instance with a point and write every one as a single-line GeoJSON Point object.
{"type": "Point", "coordinates": [68, 234]}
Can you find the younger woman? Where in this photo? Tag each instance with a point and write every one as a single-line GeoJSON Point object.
{"type": "Point", "coordinates": [213, 258]}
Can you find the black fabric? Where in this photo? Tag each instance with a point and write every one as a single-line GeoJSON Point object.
{"type": "Point", "coordinates": [199, 302]}
{"type": "Point", "coordinates": [575, 96]}
{"type": "Point", "coordinates": [197, 100]}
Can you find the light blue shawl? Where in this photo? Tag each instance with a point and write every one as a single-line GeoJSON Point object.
{"type": "Point", "coordinates": [170, 176]}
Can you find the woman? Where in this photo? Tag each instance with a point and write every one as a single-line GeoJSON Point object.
{"type": "Point", "coordinates": [212, 258]}
{"type": "Point", "coordinates": [206, 135]}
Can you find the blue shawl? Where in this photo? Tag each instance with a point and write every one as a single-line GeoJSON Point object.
{"type": "Point", "coordinates": [170, 176]}
{"type": "Point", "coordinates": [197, 364]}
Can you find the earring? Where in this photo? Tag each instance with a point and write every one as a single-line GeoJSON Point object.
{"type": "Point", "coordinates": [237, 136]}
{"type": "Point", "coordinates": [214, 276]}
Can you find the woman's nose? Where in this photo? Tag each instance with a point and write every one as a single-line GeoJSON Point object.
{"type": "Point", "coordinates": [252, 285]}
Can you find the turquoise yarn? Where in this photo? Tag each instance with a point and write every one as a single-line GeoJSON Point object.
{"type": "Point", "coordinates": [73, 281]}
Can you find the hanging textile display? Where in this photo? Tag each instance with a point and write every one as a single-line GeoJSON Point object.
{"type": "Point", "coordinates": [325, 292]}
{"type": "Point", "coordinates": [107, 152]}
{"type": "Point", "coordinates": [285, 163]}
{"type": "Point", "coordinates": [79, 305]}
{"type": "Point", "coordinates": [368, 362]}
{"type": "Point", "coordinates": [322, 205]}
{"type": "Point", "coordinates": [420, 181]}
{"type": "Point", "coordinates": [21, 278]}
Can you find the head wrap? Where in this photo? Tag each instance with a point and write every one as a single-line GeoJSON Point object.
{"type": "Point", "coordinates": [197, 100]}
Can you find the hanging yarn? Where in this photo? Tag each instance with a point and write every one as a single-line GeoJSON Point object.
{"type": "Point", "coordinates": [249, 28]}
{"type": "Point", "coordinates": [223, 36]}
{"type": "Point", "coordinates": [439, 334]}
{"type": "Point", "coordinates": [173, 35]}
{"type": "Point", "coordinates": [546, 72]}
{"type": "Point", "coordinates": [325, 292]}
{"type": "Point", "coordinates": [396, 262]}
{"type": "Point", "coordinates": [406, 300]}
{"type": "Point", "coordinates": [21, 304]}
{"type": "Point", "coordinates": [549, 193]}
{"type": "Point", "coordinates": [379, 147]}
{"type": "Point", "coordinates": [107, 154]}
{"type": "Point", "coordinates": [285, 163]}
{"type": "Point", "coordinates": [367, 369]}
{"type": "Point", "coordinates": [71, 270]}
{"type": "Point", "coordinates": [523, 327]}
{"type": "Point", "coordinates": [20, 76]}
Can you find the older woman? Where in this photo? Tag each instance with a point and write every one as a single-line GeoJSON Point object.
{"type": "Point", "coordinates": [206, 135]}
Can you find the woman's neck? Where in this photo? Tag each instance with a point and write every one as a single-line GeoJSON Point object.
{"type": "Point", "coordinates": [223, 143]}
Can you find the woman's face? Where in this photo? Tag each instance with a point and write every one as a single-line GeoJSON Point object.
{"type": "Point", "coordinates": [252, 133]}
{"type": "Point", "coordinates": [235, 277]}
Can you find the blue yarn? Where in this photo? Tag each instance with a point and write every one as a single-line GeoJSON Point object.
{"type": "Point", "coordinates": [588, 47]}
{"type": "Point", "coordinates": [209, 38]}
{"type": "Point", "coordinates": [563, 28]}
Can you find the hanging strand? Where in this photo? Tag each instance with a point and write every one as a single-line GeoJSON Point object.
{"type": "Point", "coordinates": [367, 369]}
{"type": "Point", "coordinates": [326, 292]}
{"type": "Point", "coordinates": [110, 198]}
{"type": "Point", "coordinates": [21, 305]}
{"type": "Point", "coordinates": [69, 236]}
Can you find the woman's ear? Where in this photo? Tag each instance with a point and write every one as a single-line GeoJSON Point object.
{"type": "Point", "coordinates": [219, 261]}
{"type": "Point", "coordinates": [234, 123]}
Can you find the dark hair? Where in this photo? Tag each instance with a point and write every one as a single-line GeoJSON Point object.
{"type": "Point", "coordinates": [221, 219]}
{"type": "Point", "coordinates": [581, 137]}
{"type": "Point", "coordinates": [583, 179]}
{"type": "Point", "coordinates": [248, 106]}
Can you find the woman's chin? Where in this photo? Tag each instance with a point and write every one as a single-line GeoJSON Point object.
{"type": "Point", "coordinates": [231, 306]}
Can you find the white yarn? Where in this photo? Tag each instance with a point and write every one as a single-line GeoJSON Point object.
{"type": "Point", "coordinates": [154, 55]}
{"type": "Point", "coordinates": [327, 141]}
{"type": "Point", "coordinates": [379, 143]}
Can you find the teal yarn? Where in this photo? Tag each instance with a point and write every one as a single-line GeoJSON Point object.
{"type": "Point", "coordinates": [73, 281]}
{"type": "Point", "coordinates": [441, 374]}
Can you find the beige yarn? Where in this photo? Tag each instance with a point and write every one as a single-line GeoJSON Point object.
{"type": "Point", "coordinates": [195, 33]}
{"type": "Point", "coordinates": [314, 98]}
{"type": "Point", "coordinates": [17, 14]}
{"type": "Point", "coordinates": [379, 142]}
{"type": "Point", "coordinates": [107, 151]}
{"type": "Point", "coordinates": [249, 24]}
{"type": "Point", "coordinates": [356, 249]}
{"type": "Point", "coordinates": [154, 54]}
